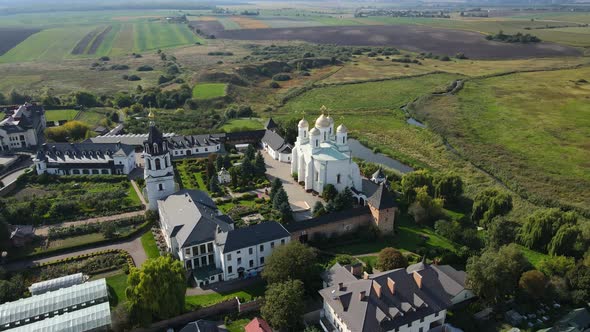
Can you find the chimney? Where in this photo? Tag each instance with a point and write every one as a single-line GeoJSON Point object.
{"type": "Point", "coordinates": [356, 270]}
{"type": "Point", "coordinates": [362, 295]}
{"type": "Point", "coordinates": [391, 285]}
{"type": "Point", "coordinates": [340, 286]}
{"type": "Point", "coordinates": [418, 279]}
{"type": "Point", "coordinates": [377, 289]}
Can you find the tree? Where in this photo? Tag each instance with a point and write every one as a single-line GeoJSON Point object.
{"type": "Point", "coordinates": [563, 241]}
{"type": "Point", "coordinates": [540, 227]}
{"type": "Point", "coordinates": [275, 186]}
{"type": "Point", "coordinates": [318, 209]}
{"type": "Point", "coordinates": [108, 229]}
{"type": "Point", "coordinates": [448, 186]}
{"type": "Point", "coordinates": [294, 260]}
{"type": "Point", "coordinates": [329, 192]}
{"type": "Point", "coordinates": [259, 164]}
{"type": "Point", "coordinates": [449, 229]}
{"type": "Point", "coordinates": [533, 284]}
{"type": "Point", "coordinates": [557, 265]}
{"type": "Point", "coordinates": [4, 234]}
{"type": "Point", "coordinates": [390, 259]}
{"type": "Point", "coordinates": [3, 100]}
{"type": "Point", "coordinates": [501, 231]}
{"type": "Point", "coordinates": [156, 289]}
{"type": "Point", "coordinates": [579, 281]}
{"type": "Point", "coordinates": [494, 274]}
{"type": "Point", "coordinates": [123, 100]}
{"type": "Point", "coordinates": [285, 212]}
{"type": "Point", "coordinates": [413, 180]}
{"type": "Point", "coordinates": [425, 209]}
{"type": "Point", "coordinates": [218, 163]}
{"type": "Point", "coordinates": [250, 152]}
{"type": "Point", "coordinates": [284, 304]}
{"type": "Point", "coordinates": [227, 161]}
{"type": "Point", "coordinates": [343, 200]}
{"type": "Point", "coordinates": [17, 98]}
{"type": "Point", "coordinates": [214, 184]}
{"type": "Point", "coordinates": [488, 204]}
{"type": "Point", "coordinates": [85, 99]}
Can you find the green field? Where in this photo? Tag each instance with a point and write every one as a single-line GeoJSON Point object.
{"type": "Point", "coordinates": [246, 294]}
{"type": "Point", "coordinates": [58, 115]}
{"type": "Point", "coordinates": [151, 36]}
{"type": "Point", "coordinates": [536, 123]}
{"type": "Point", "coordinates": [209, 90]}
{"type": "Point", "coordinates": [118, 283]}
{"type": "Point", "coordinates": [242, 124]}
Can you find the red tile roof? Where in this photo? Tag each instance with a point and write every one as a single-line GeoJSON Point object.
{"type": "Point", "coordinates": [258, 325]}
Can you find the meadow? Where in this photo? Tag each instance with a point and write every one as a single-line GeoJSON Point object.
{"type": "Point", "coordinates": [242, 124]}
{"type": "Point", "coordinates": [537, 123]}
{"type": "Point", "coordinates": [209, 90]}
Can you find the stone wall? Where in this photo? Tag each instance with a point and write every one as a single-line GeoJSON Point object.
{"type": "Point", "coordinates": [339, 223]}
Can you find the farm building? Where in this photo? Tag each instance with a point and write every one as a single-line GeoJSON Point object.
{"type": "Point", "coordinates": [22, 127]}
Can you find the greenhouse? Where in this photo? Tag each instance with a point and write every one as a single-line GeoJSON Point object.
{"type": "Point", "coordinates": [47, 305]}
{"type": "Point", "coordinates": [94, 318]}
{"type": "Point", "coordinates": [57, 283]}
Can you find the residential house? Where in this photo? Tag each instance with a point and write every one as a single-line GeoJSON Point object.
{"type": "Point", "coordinates": [205, 240]}
{"type": "Point", "coordinates": [257, 325]}
{"type": "Point", "coordinates": [85, 159]}
{"type": "Point", "coordinates": [414, 299]}
{"type": "Point", "coordinates": [22, 127]}
{"type": "Point", "coordinates": [200, 326]}
{"type": "Point", "coordinates": [276, 146]}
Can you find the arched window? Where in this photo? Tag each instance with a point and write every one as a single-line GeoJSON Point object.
{"type": "Point", "coordinates": [155, 148]}
{"type": "Point", "coordinates": [149, 164]}
{"type": "Point", "coordinates": [167, 161]}
{"type": "Point", "coordinates": [338, 178]}
{"type": "Point", "coordinates": [324, 135]}
{"type": "Point", "coordinates": [160, 187]}
{"type": "Point", "coordinates": [343, 139]}
{"type": "Point", "coordinates": [304, 133]}
{"type": "Point", "coordinates": [317, 143]}
{"type": "Point", "coordinates": [158, 164]}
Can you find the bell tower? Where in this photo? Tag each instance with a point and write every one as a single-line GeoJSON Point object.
{"type": "Point", "coordinates": [158, 171]}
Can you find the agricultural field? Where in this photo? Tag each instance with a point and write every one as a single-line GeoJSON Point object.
{"type": "Point", "coordinates": [152, 36]}
{"type": "Point", "coordinates": [408, 37]}
{"type": "Point", "coordinates": [10, 37]}
{"type": "Point", "coordinates": [59, 115]}
{"type": "Point", "coordinates": [209, 90]}
{"type": "Point", "coordinates": [537, 123]}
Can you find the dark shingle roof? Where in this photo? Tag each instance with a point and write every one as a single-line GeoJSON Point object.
{"type": "Point", "coordinates": [200, 326]}
{"type": "Point", "coordinates": [327, 219]}
{"type": "Point", "coordinates": [80, 150]}
{"type": "Point", "coordinates": [253, 235]}
{"type": "Point", "coordinates": [408, 303]}
{"type": "Point", "coordinates": [195, 140]}
{"type": "Point", "coordinates": [382, 198]}
{"type": "Point", "coordinates": [275, 141]}
{"type": "Point", "coordinates": [270, 124]}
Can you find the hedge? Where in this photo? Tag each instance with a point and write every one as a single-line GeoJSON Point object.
{"type": "Point", "coordinates": [77, 230]}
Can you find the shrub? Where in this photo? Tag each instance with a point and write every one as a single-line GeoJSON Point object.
{"type": "Point", "coordinates": [145, 68]}
{"type": "Point", "coordinates": [274, 85]}
{"type": "Point", "coordinates": [281, 77]}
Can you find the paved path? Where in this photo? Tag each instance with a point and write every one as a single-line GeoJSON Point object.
{"type": "Point", "coordinates": [8, 178]}
{"type": "Point", "coordinates": [43, 230]}
{"type": "Point", "coordinates": [132, 246]}
{"type": "Point", "coordinates": [223, 287]}
{"type": "Point", "coordinates": [296, 193]}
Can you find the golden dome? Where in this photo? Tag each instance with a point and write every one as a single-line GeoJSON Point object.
{"type": "Point", "coordinates": [342, 129]}
{"type": "Point", "coordinates": [331, 119]}
{"type": "Point", "coordinates": [151, 116]}
{"type": "Point", "coordinates": [322, 122]}
{"type": "Point", "coordinates": [314, 132]}
{"type": "Point", "coordinates": [303, 123]}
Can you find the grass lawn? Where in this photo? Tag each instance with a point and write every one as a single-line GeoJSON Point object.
{"type": "Point", "coordinates": [409, 237]}
{"type": "Point", "coordinates": [534, 257]}
{"type": "Point", "coordinates": [209, 90]}
{"type": "Point", "coordinates": [149, 245]}
{"type": "Point", "coordinates": [238, 325]}
{"type": "Point", "coordinates": [59, 115]}
{"type": "Point", "coordinates": [225, 207]}
{"type": "Point", "coordinates": [369, 260]}
{"type": "Point", "coordinates": [497, 123]}
{"type": "Point", "coordinates": [133, 195]}
{"type": "Point", "coordinates": [247, 294]}
{"type": "Point", "coordinates": [201, 182]}
{"type": "Point", "coordinates": [91, 117]}
{"type": "Point", "coordinates": [242, 125]}
{"type": "Point", "coordinates": [118, 283]}
{"type": "Point", "coordinates": [74, 241]}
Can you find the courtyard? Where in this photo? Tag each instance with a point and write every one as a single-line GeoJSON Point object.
{"type": "Point", "coordinates": [301, 201]}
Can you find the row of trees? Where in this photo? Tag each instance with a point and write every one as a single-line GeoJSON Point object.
{"type": "Point", "coordinates": [280, 202]}
{"type": "Point", "coordinates": [336, 201]}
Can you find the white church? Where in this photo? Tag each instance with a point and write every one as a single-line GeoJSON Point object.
{"type": "Point", "coordinates": [322, 155]}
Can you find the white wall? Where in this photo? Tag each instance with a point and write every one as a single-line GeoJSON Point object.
{"type": "Point", "coordinates": [195, 150]}
{"type": "Point", "coordinates": [245, 256]}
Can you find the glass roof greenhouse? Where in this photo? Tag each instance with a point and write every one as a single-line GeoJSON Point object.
{"type": "Point", "coordinates": [57, 283]}
{"type": "Point", "coordinates": [44, 306]}
{"type": "Point", "coordinates": [87, 319]}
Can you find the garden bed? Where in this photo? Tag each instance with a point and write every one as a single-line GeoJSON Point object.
{"type": "Point", "coordinates": [67, 198]}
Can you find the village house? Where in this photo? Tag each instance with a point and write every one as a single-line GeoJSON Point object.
{"type": "Point", "coordinates": [22, 127]}
{"type": "Point", "coordinates": [205, 240]}
{"type": "Point", "coordinates": [85, 159]}
{"type": "Point", "coordinates": [274, 144]}
{"type": "Point", "coordinates": [413, 299]}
